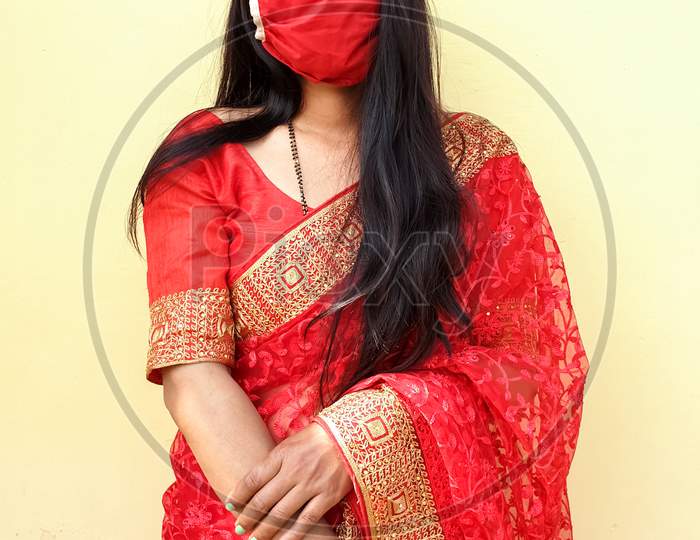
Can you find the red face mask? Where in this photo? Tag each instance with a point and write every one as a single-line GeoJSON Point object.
{"type": "Point", "coordinates": [328, 41]}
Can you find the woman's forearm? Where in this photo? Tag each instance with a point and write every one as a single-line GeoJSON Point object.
{"type": "Point", "coordinates": [218, 420]}
{"type": "Point", "coordinates": [222, 427]}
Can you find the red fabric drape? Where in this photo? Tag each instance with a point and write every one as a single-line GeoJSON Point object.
{"type": "Point", "coordinates": [494, 426]}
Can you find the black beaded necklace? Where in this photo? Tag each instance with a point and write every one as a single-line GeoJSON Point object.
{"type": "Point", "coordinates": [297, 166]}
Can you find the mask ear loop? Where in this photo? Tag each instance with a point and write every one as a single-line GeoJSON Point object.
{"type": "Point", "coordinates": [254, 11]}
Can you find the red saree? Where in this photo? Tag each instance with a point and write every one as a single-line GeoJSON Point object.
{"type": "Point", "coordinates": [473, 445]}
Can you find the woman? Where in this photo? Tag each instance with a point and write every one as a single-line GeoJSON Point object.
{"type": "Point", "coordinates": [360, 315]}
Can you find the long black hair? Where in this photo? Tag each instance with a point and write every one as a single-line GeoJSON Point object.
{"type": "Point", "coordinates": [410, 206]}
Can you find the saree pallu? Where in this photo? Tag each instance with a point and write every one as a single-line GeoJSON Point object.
{"type": "Point", "coordinates": [472, 444]}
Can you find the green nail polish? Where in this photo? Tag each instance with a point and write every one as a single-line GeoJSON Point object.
{"type": "Point", "coordinates": [229, 506]}
{"type": "Point", "coordinates": [240, 530]}
{"type": "Point", "coordinates": [253, 538]}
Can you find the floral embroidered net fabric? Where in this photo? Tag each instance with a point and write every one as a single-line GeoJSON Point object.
{"type": "Point", "coordinates": [503, 410]}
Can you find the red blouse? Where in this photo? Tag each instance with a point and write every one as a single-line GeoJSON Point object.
{"type": "Point", "coordinates": [204, 224]}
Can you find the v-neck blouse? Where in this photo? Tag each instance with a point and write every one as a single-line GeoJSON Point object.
{"type": "Point", "coordinates": [234, 211]}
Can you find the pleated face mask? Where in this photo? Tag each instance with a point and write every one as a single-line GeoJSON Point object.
{"type": "Point", "coordinates": [330, 41]}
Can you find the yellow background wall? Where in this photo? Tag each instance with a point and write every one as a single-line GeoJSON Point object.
{"type": "Point", "coordinates": [73, 467]}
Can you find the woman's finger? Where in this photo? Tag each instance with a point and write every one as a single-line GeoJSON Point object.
{"type": "Point", "coordinates": [281, 516]}
{"type": "Point", "coordinates": [252, 482]}
{"type": "Point", "coordinates": [261, 503]}
{"type": "Point", "coordinates": [309, 517]}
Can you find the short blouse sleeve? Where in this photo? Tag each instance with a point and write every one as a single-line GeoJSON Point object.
{"type": "Point", "coordinates": [187, 255]}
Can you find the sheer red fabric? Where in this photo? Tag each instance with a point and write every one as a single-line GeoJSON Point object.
{"type": "Point", "coordinates": [495, 425]}
{"type": "Point", "coordinates": [476, 444]}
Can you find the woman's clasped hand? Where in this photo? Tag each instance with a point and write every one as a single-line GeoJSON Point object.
{"type": "Point", "coordinates": [288, 492]}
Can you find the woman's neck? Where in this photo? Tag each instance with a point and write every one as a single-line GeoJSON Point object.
{"type": "Point", "coordinates": [327, 109]}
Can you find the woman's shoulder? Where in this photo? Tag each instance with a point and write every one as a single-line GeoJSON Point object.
{"type": "Point", "coordinates": [231, 114]}
{"type": "Point", "coordinates": [190, 123]}
{"type": "Point", "coordinates": [472, 140]}
{"type": "Point", "coordinates": [204, 172]}
{"type": "Point", "coordinates": [477, 132]}
{"type": "Point", "coordinates": [207, 117]}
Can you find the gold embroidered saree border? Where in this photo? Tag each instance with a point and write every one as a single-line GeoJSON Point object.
{"type": "Point", "coordinates": [190, 326]}
{"type": "Point", "coordinates": [377, 437]}
{"type": "Point", "coordinates": [472, 140]}
{"type": "Point", "coordinates": [296, 271]}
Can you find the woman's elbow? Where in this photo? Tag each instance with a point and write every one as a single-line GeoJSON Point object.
{"type": "Point", "coordinates": [185, 385]}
